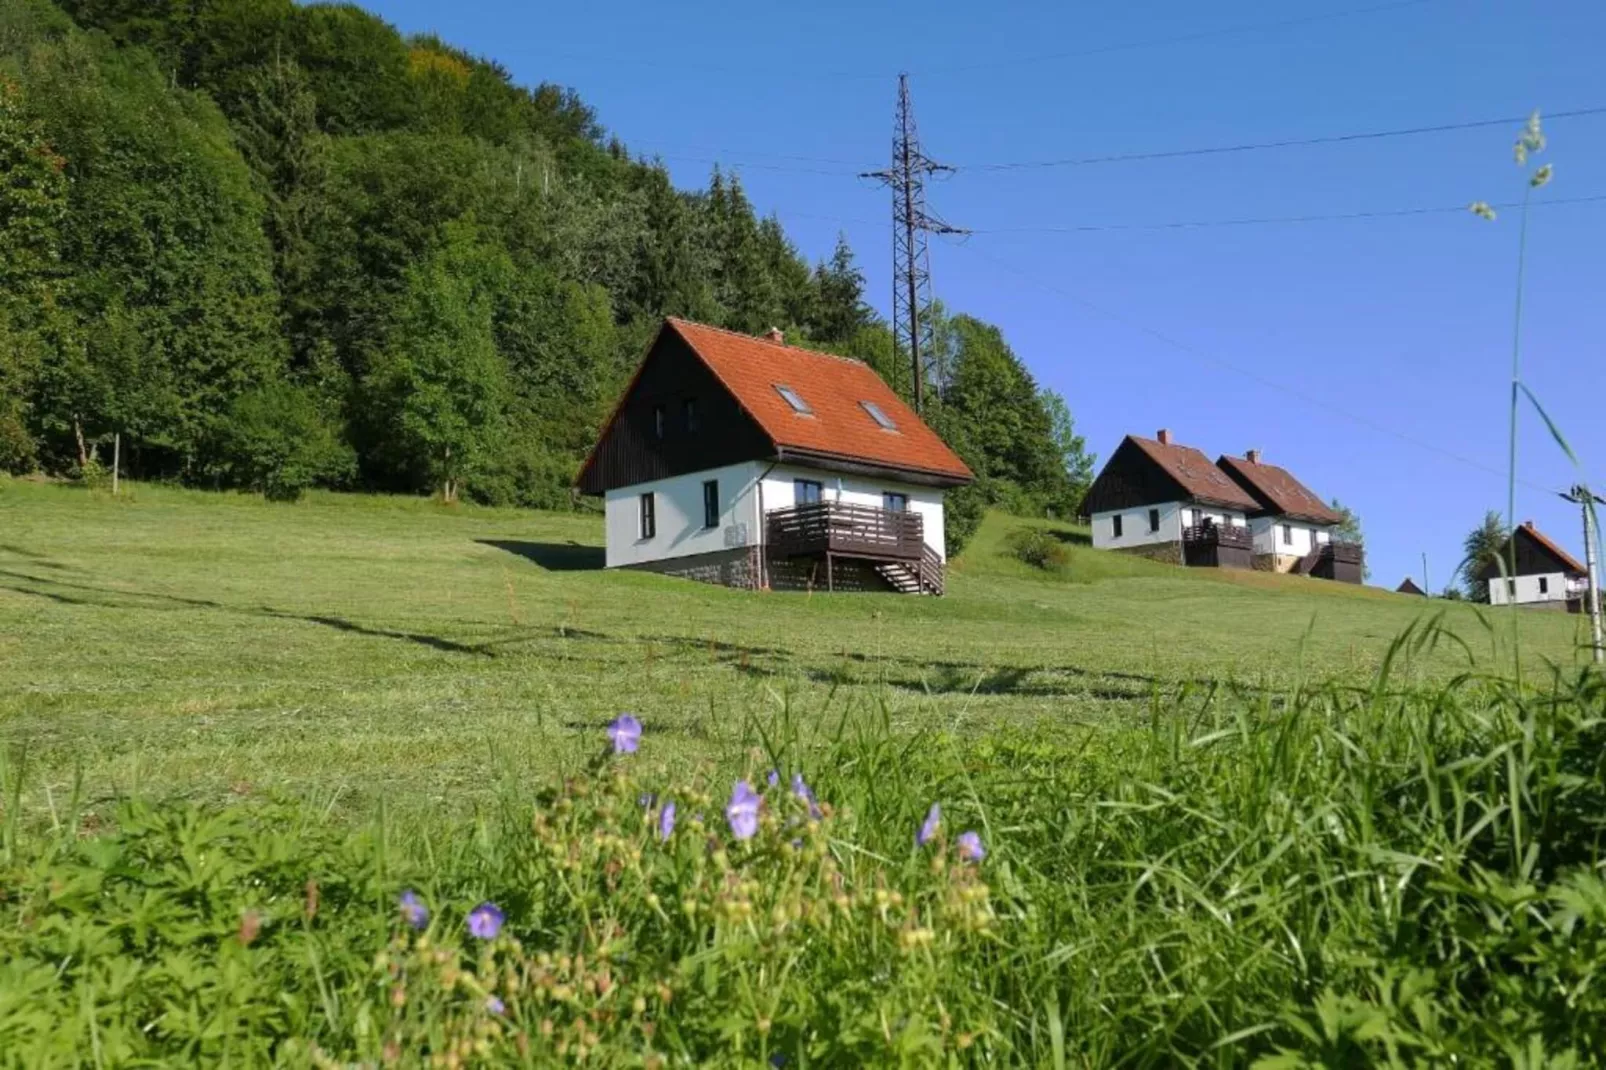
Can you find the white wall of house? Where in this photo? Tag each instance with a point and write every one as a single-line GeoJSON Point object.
{"type": "Point", "coordinates": [1138, 528]}
{"type": "Point", "coordinates": [779, 492]}
{"type": "Point", "coordinates": [678, 511]}
{"type": "Point", "coordinates": [1292, 538]}
{"type": "Point", "coordinates": [1527, 589]}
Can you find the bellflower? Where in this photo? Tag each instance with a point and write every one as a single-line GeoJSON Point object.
{"type": "Point", "coordinates": [928, 827]}
{"type": "Point", "coordinates": [742, 811]}
{"type": "Point", "coordinates": [624, 732]}
{"type": "Point", "coordinates": [485, 921]}
{"type": "Point", "coordinates": [413, 910]}
{"type": "Point", "coordinates": [970, 848]}
{"type": "Point", "coordinates": [801, 789]}
{"type": "Point", "coordinates": [666, 820]}
{"type": "Point", "coordinates": [494, 1005]}
{"type": "Point", "coordinates": [774, 778]}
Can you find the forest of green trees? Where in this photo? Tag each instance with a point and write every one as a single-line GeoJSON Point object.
{"type": "Point", "coordinates": [274, 245]}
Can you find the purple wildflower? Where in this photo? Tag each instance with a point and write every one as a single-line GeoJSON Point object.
{"type": "Point", "coordinates": [928, 827]}
{"type": "Point", "coordinates": [801, 789]}
{"type": "Point", "coordinates": [742, 811]}
{"type": "Point", "coordinates": [646, 800]}
{"type": "Point", "coordinates": [666, 820]}
{"type": "Point", "coordinates": [413, 910]}
{"type": "Point", "coordinates": [970, 848]}
{"type": "Point", "coordinates": [494, 1005]}
{"type": "Point", "coordinates": [624, 732]}
{"type": "Point", "coordinates": [485, 921]}
{"type": "Point", "coordinates": [774, 777]}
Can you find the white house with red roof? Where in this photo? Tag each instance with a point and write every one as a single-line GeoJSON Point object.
{"type": "Point", "coordinates": [751, 463]}
{"type": "Point", "coordinates": [1546, 576]}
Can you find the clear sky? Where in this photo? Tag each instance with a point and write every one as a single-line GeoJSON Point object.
{"type": "Point", "coordinates": [1370, 356]}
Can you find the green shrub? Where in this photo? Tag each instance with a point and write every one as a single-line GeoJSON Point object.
{"type": "Point", "coordinates": [1039, 548]}
{"type": "Point", "coordinates": [276, 442]}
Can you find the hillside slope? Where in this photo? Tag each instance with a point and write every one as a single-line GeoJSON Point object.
{"type": "Point", "coordinates": [390, 646]}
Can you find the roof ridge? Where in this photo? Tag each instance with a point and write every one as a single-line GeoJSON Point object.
{"type": "Point", "coordinates": [679, 321]}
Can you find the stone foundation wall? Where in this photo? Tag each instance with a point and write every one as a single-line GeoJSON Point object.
{"type": "Point", "coordinates": [1276, 562]}
{"type": "Point", "coordinates": [1167, 553]}
{"type": "Point", "coordinates": [735, 568]}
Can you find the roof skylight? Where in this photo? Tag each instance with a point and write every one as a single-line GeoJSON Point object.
{"type": "Point", "coordinates": [793, 399]}
{"type": "Point", "coordinates": [878, 416]}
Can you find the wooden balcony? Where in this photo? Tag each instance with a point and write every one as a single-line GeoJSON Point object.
{"type": "Point", "coordinates": [1210, 545]}
{"type": "Point", "coordinates": [893, 542]}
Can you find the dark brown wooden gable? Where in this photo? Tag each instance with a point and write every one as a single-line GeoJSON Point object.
{"type": "Point", "coordinates": [630, 451]}
{"type": "Point", "coordinates": [1131, 478]}
{"type": "Point", "coordinates": [1534, 558]}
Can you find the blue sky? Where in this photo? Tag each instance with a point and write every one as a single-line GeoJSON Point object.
{"type": "Point", "coordinates": [1371, 357]}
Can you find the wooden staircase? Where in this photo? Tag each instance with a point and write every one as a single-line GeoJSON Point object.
{"type": "Point", "coordinates": [914, 577]}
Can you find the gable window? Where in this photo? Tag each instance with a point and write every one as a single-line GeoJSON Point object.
{"type": "Point", "coordinates": [1154, 521]}
{"type": "Point", "coordinates": [794, 399]}
{"type": "Point", "coordinates": [649, 516]}
{"type": "Point", "coordinates": [658, 421]}
{"type": "Point", "coordinates": [711, 503]}
{"type": "Point", "coordinates": [688, 410]}
{"type": "Point", "coordinates": [1115, 526]}
{"type": "Point", "coordinates": [878, 416]}
{"type": "Point", "coordinates": [1544, 585]}
{"type": "Point", "coordinates": [1288, 534]}
{"type": "Point", "coordinates": [895, 503]}
{"type": "Point", "coordinates": [805, 491]}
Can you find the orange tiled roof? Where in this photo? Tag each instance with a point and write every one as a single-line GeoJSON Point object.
{"type": "Point", "coordinates": [833, 387]}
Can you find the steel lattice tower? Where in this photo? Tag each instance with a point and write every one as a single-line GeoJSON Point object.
{"type": "Point", "coordinates": [911, 262]}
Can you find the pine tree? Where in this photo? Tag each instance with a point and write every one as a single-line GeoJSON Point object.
{"type": "Point", "coordinates": [840, 312]}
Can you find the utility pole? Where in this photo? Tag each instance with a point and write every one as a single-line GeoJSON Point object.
{"type": "Point", "coordinates": [911, 223]}
{"type": "Point", "coordinates": [1583, 496]}
{"type": "Point", "coordinates": [1427, 588]}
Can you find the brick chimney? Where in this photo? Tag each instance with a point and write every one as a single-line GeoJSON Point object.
{"type": "Point", "coordinates": [774, 334]}
{"type": "Point", "coordinates": [1252, 456]}
{"type": "Point", "coordinates": [1164, 435]}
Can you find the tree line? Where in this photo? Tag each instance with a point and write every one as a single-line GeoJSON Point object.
{"type": "Point", "coordinates": [275, 245]}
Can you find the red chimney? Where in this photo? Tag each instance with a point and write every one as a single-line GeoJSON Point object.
{"type": "Point", "coordinates": [1528, 523]}
{"type": "Point", "coordinates": [1164, 435]}
{"type": "Point", "coordinates": [1253, 456]}
{"type": "Point", "coordinates": [774, 334]}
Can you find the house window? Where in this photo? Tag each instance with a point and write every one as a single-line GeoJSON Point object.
{"type": "Point", "coordinates": [649, 516]}
{"type": "Point", "coordinates": [878, 416]}
{"type": "Point", "coordinates": [895, 503]}
{"type": "Point", "coordinates": [1187, 518]}
{"type": "Point", "coordinates": [1288, 534]}
{"type": "Point", "coordinates": [688, 409]}
{"type": "Point", "coordinates": [1115, 526]}
{"type": "Point", "coordinates": [658, 421]}
{"type": "Point", "coordinates": [711, 503]}
{"type": "Point", "coordinates": [1544, 585]}
{"type": "Point", "coordinates": [1511, 589]}
{"type": "Point", "coordinates": [793, 399]}
{"type": "Point", "coordinates": [805, 491]}
{"type": "Point", "coordinates": [1154, 521]}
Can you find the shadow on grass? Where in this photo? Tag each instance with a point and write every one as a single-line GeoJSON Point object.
{"type": "Point", "coordinates": [1072, 538]}
{"type": "Point", "coordinates": [553, 556]}
{"type": "Point", "coordinates": [340, 624]}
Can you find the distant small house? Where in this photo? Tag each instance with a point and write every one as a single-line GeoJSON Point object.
{"type": "Point", "coordinates": [1546, 576]}
{"type": "Point", "coordinates": [1160, 499]}
{"type": "Point", "coordinates": [1408, 586]}
{"type": "Point", "coordinates": [750, 463]}
{"type": "Point", "coordinates": [1294, 530]}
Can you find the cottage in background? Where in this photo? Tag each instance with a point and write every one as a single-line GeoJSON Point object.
{"type": "Point", "coordinates": [1294, 530]}
{"type": "Point", "coordinates": [1547, 577]}
{"type": "Point", "coordinates": [750, 463]}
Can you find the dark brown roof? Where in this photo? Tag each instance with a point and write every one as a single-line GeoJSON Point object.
{"type": "Point", "coordinates": [1192, 470]}
{"type": "Point", "coordinates": [1408, 586]}
{"type": "Point", "coordinates": [1277, 491]}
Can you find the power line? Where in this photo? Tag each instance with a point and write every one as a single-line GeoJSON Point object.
{"type": "Point", "coordinates": [1285, 143]}
{"type": "Point", "coordinates": [1154, 42]}
{"type": "Point", "coordinates": [1336, 217]}
{"type": "Point", "coordinates": [1248, 373]}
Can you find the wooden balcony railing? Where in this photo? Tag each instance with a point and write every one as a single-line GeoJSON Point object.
{"type": "Point", "coordinates": [844, 530]}
{"type": "Point", "coordinates": [1232, 535]}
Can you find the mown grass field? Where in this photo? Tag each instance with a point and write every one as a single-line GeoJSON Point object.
{"type": "Point", "coordinates": [362, 648]}
{"type": "Point", "coordinates": [1187, 818]}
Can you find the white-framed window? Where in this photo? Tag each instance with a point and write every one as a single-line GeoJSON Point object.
{"type": "Point", "coordinates": [893, 502]}
{"type": "Point", "coordinates": [649, 516]}
{"type": "Point", "coordinates": [1288, 534]}
{"type": "Point", "coordinates": [806, 491]}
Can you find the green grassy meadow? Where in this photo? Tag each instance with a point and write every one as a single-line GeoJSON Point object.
{"type": "Point", "coordinates": [378, 647]}
{"type": "Point", "coordinates": [327, 785]}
